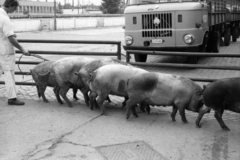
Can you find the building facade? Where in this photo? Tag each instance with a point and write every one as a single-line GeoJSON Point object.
{"type": "Point", "coordinates": [33, 7]}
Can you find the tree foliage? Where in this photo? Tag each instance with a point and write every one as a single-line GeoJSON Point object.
{"type": "Point", "coordinates": [110, 6]}
{"type": "Point", "coordinates": [67, 6]}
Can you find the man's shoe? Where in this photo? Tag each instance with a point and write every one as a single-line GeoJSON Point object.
{"type": "Point", "coordinates": [15, 101]}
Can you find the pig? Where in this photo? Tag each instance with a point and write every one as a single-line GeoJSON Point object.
{"type": "Point", "coordinates": [111, 79]}
{"type": "Point", "coordinates": [64, 71]}
{"type": "Point", "coordinates": [42, 81]}
{"type": "Point", "coordinates": [43, 77]}
{"type": "Point", "coordinates": [221, 95]}
{"type": "Point", "coordinates": [84, 73]}
{"type": "Point", "coordinates": [164, 90]}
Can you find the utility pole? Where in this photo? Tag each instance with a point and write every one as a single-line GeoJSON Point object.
{"type": "Point", "coordinates": [55, 10]}
{"type": "Point", "coordinates": [72, 5]}
{"type": "Point", "coordinates": [78, 6]}
{"type": "Point", "coordinates": [82, 7]}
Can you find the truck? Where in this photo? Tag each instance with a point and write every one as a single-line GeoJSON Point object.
{"type": "Point", "coordinates": [180, 26]}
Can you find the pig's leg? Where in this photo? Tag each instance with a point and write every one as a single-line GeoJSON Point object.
{"type": "Point", "coordinates": [181, 108]}
{"type": "Point", "coordinates": [75, 93]}
{"type": "Point", "coordinates": [85, 95]}
{"type": "Point", "coordinates": [124, 103]}
{"type": "Point", "coordinates": [42, 91]}
{"type": "Point", "coordinates": [63, 92]}
{"type": "Point", "coordinates": [134, 111]}
{"type": "Point", "coordinates": [218, 115]}
{"type": "Point", "coordinates": [39, 94]}
{"type": "Point", "coordinates": [174, 111]}
{"type": "Point", "coordinates": [148, 109]}
{"type": "Point", "coordinates": [56, 90]}
{"type": "Point", "coordinates": [203, 110]}
{"type": "Point", "coordinates": [131, 102]}
{"type": "Point", "coordinates": [142, 106]}
{"type": "Point", "coordinates": [93, 102]}
{"type": "Point", "coordinates": [101, 98]}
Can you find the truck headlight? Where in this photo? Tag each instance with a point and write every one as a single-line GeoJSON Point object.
{"type": "Point", "coordinates": [188, 39]}
{"type": "Point", "coordinates": [128, 40]}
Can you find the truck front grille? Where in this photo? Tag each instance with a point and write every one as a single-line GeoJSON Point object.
{"type": "Point", "coordinates": [155, 25]}
{"type": "Point", "coordinates": [164, 33]}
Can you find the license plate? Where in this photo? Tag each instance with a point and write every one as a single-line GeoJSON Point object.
{"type": "Point", "coordinates": [157, 41]}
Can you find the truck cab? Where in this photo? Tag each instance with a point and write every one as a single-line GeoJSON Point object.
{"type": "Point", "coordinates": [166, 25]}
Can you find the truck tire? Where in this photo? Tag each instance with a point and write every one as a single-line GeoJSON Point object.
{"type": "Point", "coordinates": [216, 42]}
{"type": "Point", "coordinates": [238, 31]}
{"type": "Point", "coordinates": [140, 57]}
{"type": "Point", "coordinates": [234, 34]}
{"type": "Point", "coordinates": [209, 42]}
{"type": "Point", "coordinates": [203, 46]}
{"type": "Point", "coordinates": [227, 37]}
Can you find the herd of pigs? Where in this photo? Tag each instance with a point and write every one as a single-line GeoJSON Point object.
{"type": "Point", "coordinates": [99, 78]}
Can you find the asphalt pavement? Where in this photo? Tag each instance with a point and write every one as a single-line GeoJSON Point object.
{"type": "Point", "coordinates": [50, 131]}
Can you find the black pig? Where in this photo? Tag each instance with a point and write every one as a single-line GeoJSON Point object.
{"type": "Point", "coordinates": [222, 95]}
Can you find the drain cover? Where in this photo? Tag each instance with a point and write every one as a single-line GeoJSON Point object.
{"type": "Point", "coordinates": [130, 151]}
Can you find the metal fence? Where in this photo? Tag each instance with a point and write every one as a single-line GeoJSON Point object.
{"type": "Point", "coordinates": [117, 54]}
{"type": "Point", "coordinates": [128, 52]}
{"type": "Point", "coordinates": [187, 54]}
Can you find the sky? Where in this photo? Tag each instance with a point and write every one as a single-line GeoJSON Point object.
{"type": "Point", "coordinates": [84, 2]}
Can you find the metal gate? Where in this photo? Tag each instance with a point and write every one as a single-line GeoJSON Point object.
{"type": "Point", "coordinates": [116, 43]}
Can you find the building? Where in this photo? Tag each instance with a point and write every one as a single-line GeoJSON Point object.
{"type": "Point", "coordinates": [33, 7]}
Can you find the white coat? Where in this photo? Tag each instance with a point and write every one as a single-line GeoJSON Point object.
{"type": "Point", "coordinates": [7, 54]}
{"type": "Point", "coordinates": [7, 51]}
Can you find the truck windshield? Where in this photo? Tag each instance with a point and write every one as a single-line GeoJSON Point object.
{"type": "Point", "coordinates": [142, 2]}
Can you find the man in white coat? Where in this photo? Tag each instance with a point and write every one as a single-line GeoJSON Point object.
{"type": "Point", "coordinates": [7, 52]}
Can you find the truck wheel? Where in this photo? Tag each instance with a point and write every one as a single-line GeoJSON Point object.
{"type": "Point", "coordinates": [209, 42]}
{"type": "Point", "coordinates": [234, 34]}
{"type": "Point", "coordinates": [216, 42]}
{"type": "Point", "coordinates": [238, 32]}
{"type": "Point", "coordinates": [140, 57]}
{"type": "Point", "coordinates": [227, 37]}
{"type": "Point", "coordinates": [203, 46]}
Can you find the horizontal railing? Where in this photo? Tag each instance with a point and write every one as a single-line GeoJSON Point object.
{"type": "Point", "coordinates": [187, 54]}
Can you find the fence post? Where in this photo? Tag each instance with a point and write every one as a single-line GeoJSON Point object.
{"type": "Point", "coordinates": [127, 57]}
{"type": "Point", "coordinates": [119, 51]}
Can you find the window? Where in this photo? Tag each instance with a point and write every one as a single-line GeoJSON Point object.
{"type": "Point", "coordinates": [137, 2]}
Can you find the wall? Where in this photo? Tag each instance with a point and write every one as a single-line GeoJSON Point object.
{"type": "Point", "coordinates": [23, 25]}
{"type": "Point", "coordinates": [80, 11]}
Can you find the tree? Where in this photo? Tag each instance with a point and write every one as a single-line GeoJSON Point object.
{"type": "Point", "coordinates": [67, 6]}
{"type": "Point", "coordinates": [110, 6]}
{"type": "Point", "coordinates": [60, 5]}
{"type": "Point", "coordinates": [59, 8]}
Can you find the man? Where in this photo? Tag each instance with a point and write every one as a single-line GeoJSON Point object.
{"type": "Point", "coordinates": [7, 52]}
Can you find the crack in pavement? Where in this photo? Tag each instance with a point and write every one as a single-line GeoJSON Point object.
{"type": "Point", "coordinates": [49, 145]}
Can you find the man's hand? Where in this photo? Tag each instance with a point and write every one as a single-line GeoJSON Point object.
{"type": "Point", "coordinates": [25, 52]}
